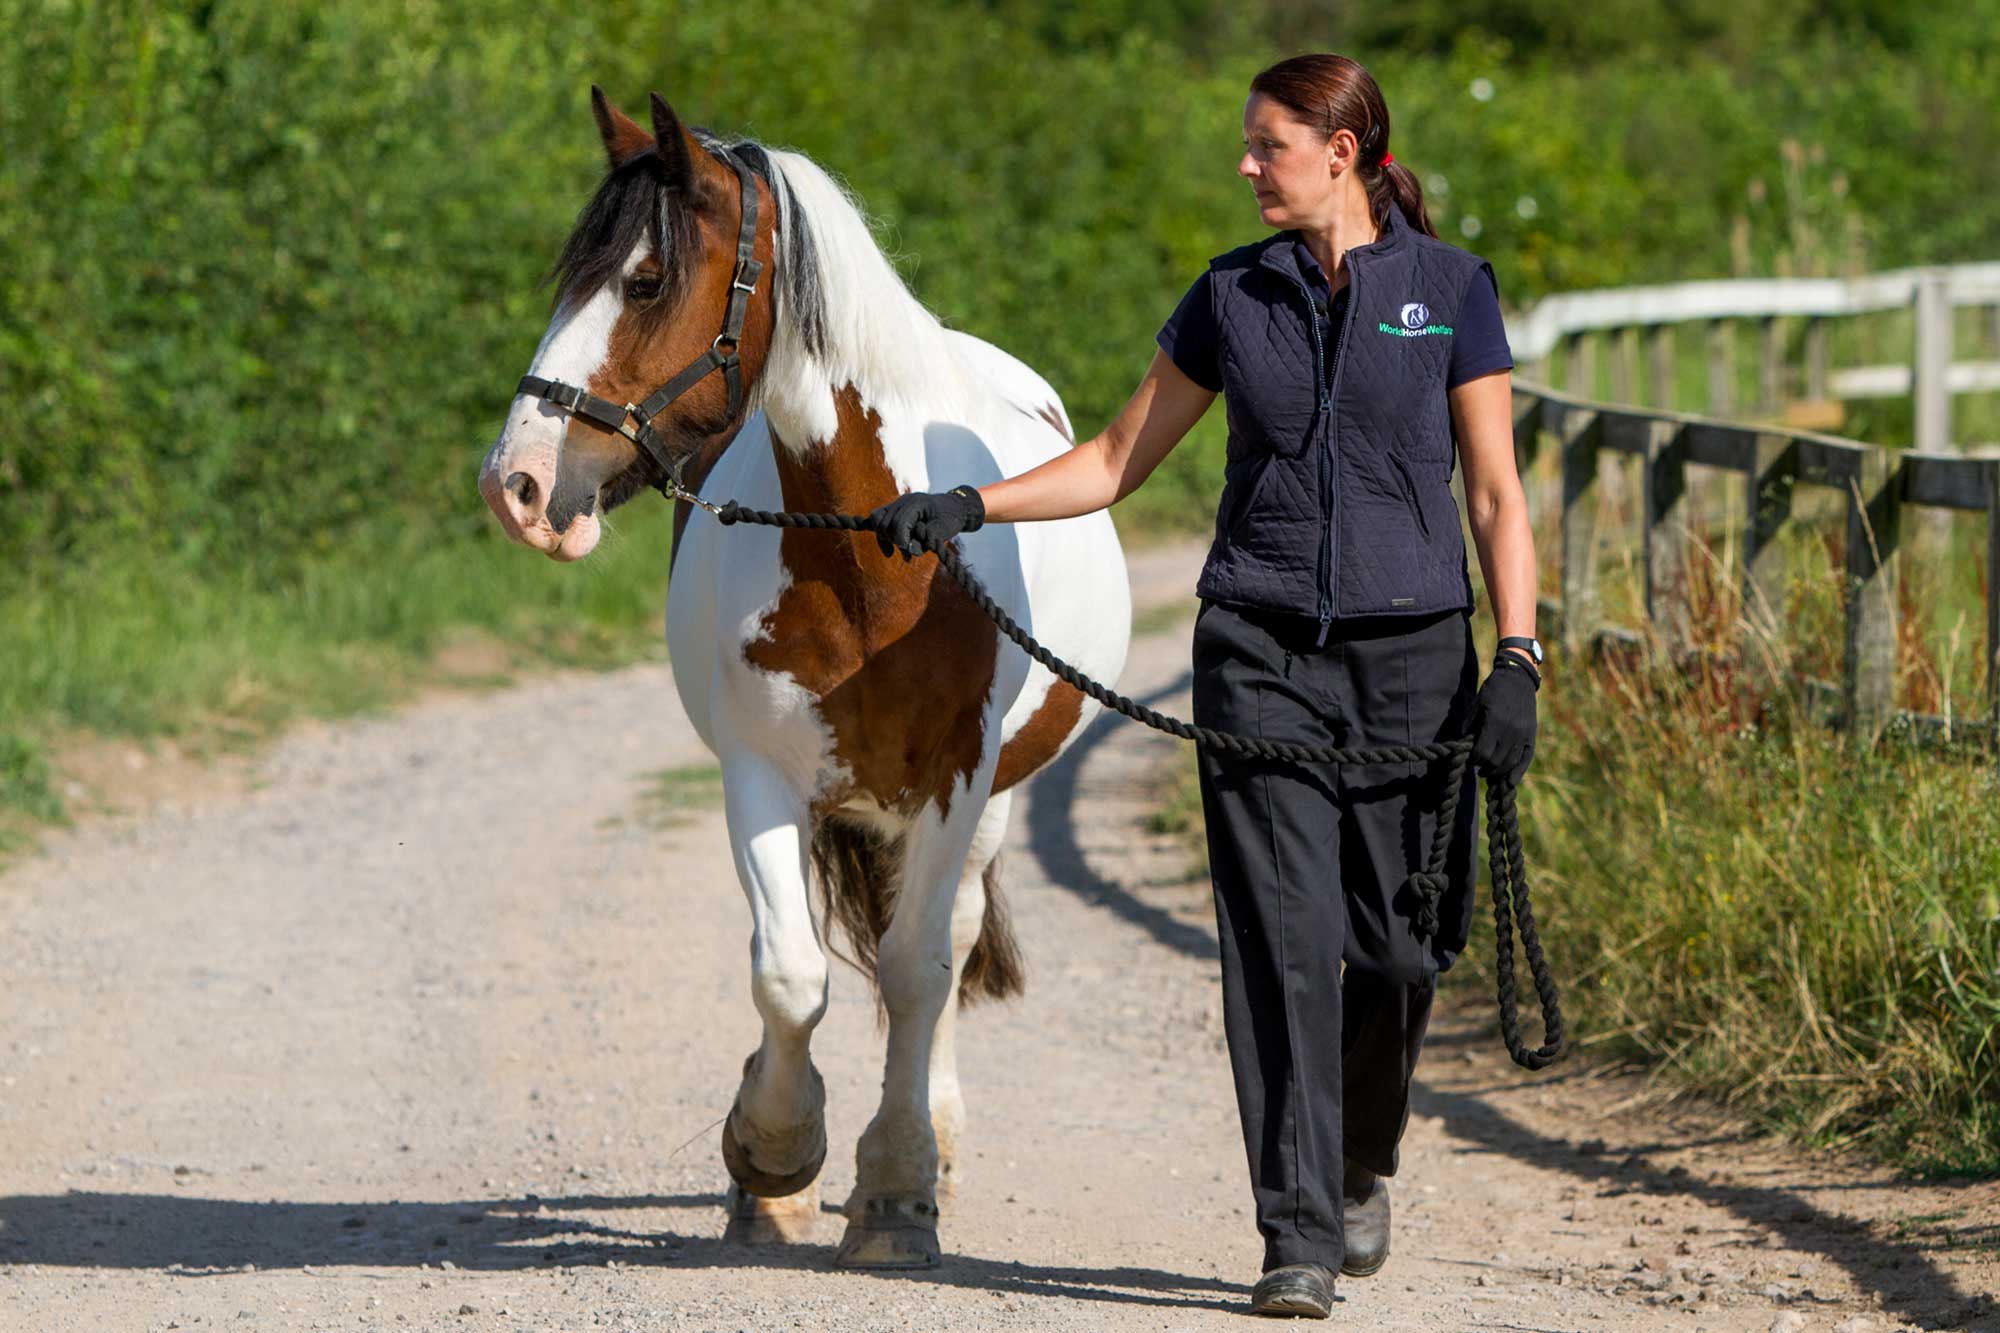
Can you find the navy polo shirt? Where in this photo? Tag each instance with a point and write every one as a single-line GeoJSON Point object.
{"type": "Point", "coordinates": [1478, 337]}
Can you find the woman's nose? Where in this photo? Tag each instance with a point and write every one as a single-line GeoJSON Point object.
{"type": "Point", "coordinates": [1246, 166]}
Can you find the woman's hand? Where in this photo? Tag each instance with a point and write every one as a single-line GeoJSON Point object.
{"type": "Point", "coordinates": [912, 523]}
{"type": "Point", "coordinates": [1503, 720]}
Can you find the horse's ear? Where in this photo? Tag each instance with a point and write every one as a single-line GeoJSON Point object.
{"type": "Point", "coordinates": [675, 160]}
{"type": "Point", "coordinates": [623, 136]}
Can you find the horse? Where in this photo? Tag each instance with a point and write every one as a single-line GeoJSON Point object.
{"type": "Point", "coordinates": [870, 723]}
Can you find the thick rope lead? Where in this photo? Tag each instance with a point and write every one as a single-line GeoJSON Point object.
{"type": "Point", "coordinates": [1503, 831]}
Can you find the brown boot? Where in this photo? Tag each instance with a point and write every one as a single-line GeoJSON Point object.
{"type": "Point", "coordinates": [1364, 1221]}
{"type": "Point", "coordinates": [1297, 1291]}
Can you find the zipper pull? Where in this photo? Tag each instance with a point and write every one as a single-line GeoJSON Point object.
{"type": "Point", "coordinates": [1325, 623]}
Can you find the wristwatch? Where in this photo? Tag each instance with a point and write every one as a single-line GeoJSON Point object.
{"type": "Point", "coordinates": [1534, 646]}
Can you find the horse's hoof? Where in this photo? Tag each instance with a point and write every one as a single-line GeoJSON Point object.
{"type": "Point", "coordinates": [891, 1233]}
{"type": "Point", "coordinates": [754, 1220]}
{"type": "Point", "coordinates": [765, 1184]}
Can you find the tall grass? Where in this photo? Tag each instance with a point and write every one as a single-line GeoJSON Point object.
{"type": "Point", "coordinates": [1762, 910]}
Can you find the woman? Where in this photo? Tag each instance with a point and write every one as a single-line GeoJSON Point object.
{"type": "Point", "coordinates": [1352, 348]}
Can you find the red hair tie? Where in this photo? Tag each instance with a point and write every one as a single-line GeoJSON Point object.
{"type": "Point", "coordinates": [1387, 158]}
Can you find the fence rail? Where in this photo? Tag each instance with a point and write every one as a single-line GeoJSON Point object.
{"type": "Point", "coordinates": [1557, 338]}
{"type": "Point", "coordinates": [1879, 485]}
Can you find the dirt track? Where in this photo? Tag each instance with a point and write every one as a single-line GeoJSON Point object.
{"type": "Point", "coordinates": [356, 1044]}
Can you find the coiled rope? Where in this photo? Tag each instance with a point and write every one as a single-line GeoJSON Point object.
{"type": "Point", "coordinates": [1503, 830]}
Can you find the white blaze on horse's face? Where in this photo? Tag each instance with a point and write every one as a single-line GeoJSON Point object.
{"type": "Point", "coordinates": [541, 478]}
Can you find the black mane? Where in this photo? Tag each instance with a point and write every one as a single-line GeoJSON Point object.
{"type": "Point", "coordinates": [633, 204]}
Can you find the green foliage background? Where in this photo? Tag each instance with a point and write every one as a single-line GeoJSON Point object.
{"type": "Point", "coordinates": [273, 269]}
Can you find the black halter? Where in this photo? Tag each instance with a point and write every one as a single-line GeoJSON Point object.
{"type": "Point", "coordinates": [721, 355]}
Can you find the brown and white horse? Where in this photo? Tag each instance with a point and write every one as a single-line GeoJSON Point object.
{"type": "Point", "coordinates": [869, 720]}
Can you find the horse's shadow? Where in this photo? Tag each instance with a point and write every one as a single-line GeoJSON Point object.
{"type": "Point", "coordinates": [200, 1237]}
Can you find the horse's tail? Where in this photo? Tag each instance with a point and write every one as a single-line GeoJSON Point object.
{"type": "Point", "coordinates": [856, 867]}
{"type": "Point", "coordinates": [993, 970]}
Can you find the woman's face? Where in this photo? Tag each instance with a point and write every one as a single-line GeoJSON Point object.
{"type": "Point", "coordinates": [1289, 167]}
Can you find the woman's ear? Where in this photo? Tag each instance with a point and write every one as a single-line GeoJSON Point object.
{"type": "Point", "coordinates": [1341, 150]}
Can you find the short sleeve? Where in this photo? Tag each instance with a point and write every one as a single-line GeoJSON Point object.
{"type": "Point", "coordinates": [1189, 337]}
{"type": "Point", "coordinates": [1479, 340]}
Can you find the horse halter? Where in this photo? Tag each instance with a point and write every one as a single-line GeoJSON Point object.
{"type": "Point", "coordinates": [721, 355]}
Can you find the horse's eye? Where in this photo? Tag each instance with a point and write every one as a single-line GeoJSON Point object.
{"type": "Point", "coordinates": [641, 287]}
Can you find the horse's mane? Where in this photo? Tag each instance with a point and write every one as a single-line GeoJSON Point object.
{"type": "Point", "coordinates": [844, 315]}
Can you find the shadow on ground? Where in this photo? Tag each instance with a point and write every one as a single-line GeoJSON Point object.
{"type": "Point", "coordinates": [197, 1236]}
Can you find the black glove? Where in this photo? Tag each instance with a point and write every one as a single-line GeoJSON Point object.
{"type": "Point", "coordinates": [1503, 720]}
{"type": "Point", "coordinates": [912, 522]}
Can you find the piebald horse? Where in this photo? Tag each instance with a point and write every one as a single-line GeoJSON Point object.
{"type": "Point", "coordinates": [870, 722]}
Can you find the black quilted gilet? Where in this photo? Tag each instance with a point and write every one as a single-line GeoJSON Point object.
{"type": "Point", "coordinates": [1336, 499]}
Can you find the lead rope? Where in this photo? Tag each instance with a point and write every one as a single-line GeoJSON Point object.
{"type": "Point", "coordinates": [1503, 830]}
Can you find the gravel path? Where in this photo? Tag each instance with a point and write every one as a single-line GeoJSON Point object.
{"type": "Point", "coordinates": [351, 1045]}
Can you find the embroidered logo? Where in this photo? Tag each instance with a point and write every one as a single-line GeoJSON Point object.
{"type": "Point", "coordinates": [1416, 322]}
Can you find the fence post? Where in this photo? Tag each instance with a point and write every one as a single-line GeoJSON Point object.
{"type": "Point", "coordinates": [1583, 365]}
{"type": "Point", "coordinates": [1770, 365]}
{"type": "Point", "coordinates": [1933, 361]}
{"type": "Point", "coordinates": [1624, 364]}
{"type": "Point", "coordinates": [1873, 521]}
{"type": "Point", "coordinates": [1993, 603]}
{"type": "Point", "coordinates": [1768, 505]}
{"type": "Point", "coordinates": [1666, 532]}
{"type": "Point", "coordinates": [1816, 358]}
{"type": "Point", "coordinates": [1721, 367]}
{"type": "Point", "coordinates": [1579, 435]}
{"type": "Point", "coordinates": [1660, 366]}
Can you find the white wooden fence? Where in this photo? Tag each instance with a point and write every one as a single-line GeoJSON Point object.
{"type": "Point", "coordinates": [1557, 340]}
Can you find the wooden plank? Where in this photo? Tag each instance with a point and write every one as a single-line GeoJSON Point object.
{"type": "Point", "coordinates": [1527, 427]}
{"type": "Point", "coordinates": [1768, 485]}
{"type": "Point", "coordinates": [1895, 381]}
{"type": "Point", "coordinates": [1770, 366]}
{"type": "Point", "coordinates": [1660, 366]}
{"type": "Point", "coordinates": [1721, 367]}
{"type": "Point", "coordinates": [1947, 483]}
{"type": "Point", "coordinates": [1535, 332]}
{"type": "Point", "coordinates": [1624, 365]}
{"type": "Point", "coordinates": [1665, 532]}
{"type": "Point", "coordinates": [1873, 533]}
{"type": "Point", "coordinates": [1816, 358]}
{"type": "Point", "coordinates": [1713, 444]}
{"type": "Point", "coordinates": [1932, 362]}
{"type": "Point", "coordinates": [1993, 601]}
{"type": "Point", "coordinates": [1578, 435]}
{"type": "Point", "coordinates": [1583, 364]}
{"type": "Point", "coordinates": [1625, 432]}
{"type": "Point", "coordinates": [1826, 463]}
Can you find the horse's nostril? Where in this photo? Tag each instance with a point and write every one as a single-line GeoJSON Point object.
{"type": "Point", "coordinates": [522, 487]}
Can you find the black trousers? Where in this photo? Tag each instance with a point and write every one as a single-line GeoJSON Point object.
{"type": "Point", "coordinates": [1308, 864]}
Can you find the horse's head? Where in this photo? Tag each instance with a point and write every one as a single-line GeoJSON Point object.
{"type": "Point", "coordinates": [642, 292]}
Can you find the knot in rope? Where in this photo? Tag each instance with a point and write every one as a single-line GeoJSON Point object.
{"type": "Point", "coordinates": [1428, 889]}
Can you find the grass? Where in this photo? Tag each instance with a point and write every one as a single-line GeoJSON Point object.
{"type": "Point", "coordinates": [673, 796]}
{"type": "Point", "coordinates": [142, 649]}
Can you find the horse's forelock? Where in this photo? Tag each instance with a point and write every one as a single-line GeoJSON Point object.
{"type": "Point", "coordinates": [632, 205]}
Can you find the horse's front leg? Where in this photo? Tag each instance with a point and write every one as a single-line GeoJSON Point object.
{"type": "Point", "coordinates": [892, 1214]}
{"type": "Point", "coordinates": [774, 1139]}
